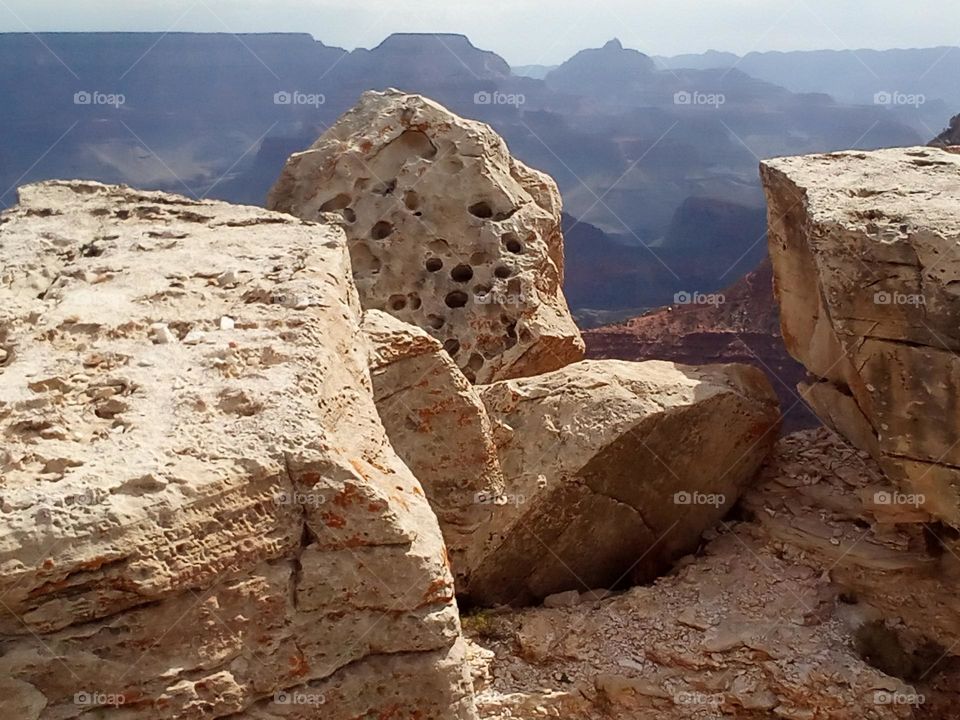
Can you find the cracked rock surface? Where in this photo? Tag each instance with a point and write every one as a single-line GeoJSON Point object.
{"type": "Point", "coordinates": [201, 515]}
{"type": "Point", "coordinates": [867, 274]}
{"type": "Point", "coordinates": [446, 229]}
{"type": "Point", "coordinates": [602, 482]}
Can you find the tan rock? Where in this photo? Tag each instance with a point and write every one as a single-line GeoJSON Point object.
{"type": "Point", "coordinates": [438, 425]}
{"type": "Point", "coordinates": [203, 529]}
{"type": "Point", "coordinates": [614, 469]}
{"type": "Point", "coordinates": [864, 248]}
{"type": "Point", "coordinates": [447, 231]}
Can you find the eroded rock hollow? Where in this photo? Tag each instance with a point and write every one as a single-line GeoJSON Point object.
{"type": "Point", "coordinates": [446, 229]}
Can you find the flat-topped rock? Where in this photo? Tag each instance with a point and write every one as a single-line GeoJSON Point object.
{"type": "Point", "coordinates": [201, 513]}
{"type": "Point", "coordinates": [867, 272]}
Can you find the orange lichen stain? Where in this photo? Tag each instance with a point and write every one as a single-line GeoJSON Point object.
{"type": "Point", "coordinates": [435, 589]}
{"type": "Point", "coordinates": [333, 520]}
{"type": "Point", "coordinates": [377, 506]}
{"type": "Point", "coordinates": [299, 666]}
{"type": "Point", "coordinates": [389, 712]}
{"type": "Point", "coordinates": [48, 564]}
{"type": "Point", "coordinates": [310, 478]}
{"type": "Point", "coordinates": [366, 146]}
{"type": "Point", "coordinates": [347, 496]}
{"type": "Point", "coordinates": [417, 491]}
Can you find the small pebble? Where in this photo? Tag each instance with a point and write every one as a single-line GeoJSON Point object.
{"type": "Point", "coordinates": [162, 335]}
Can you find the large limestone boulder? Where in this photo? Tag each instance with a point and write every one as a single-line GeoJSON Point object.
{"type": "Point", "coordinates": [614, 469]}
{"type": "Point", "coordinates": [447, 231]}
{"type": "Point", "coordinates": [202, 515]}
{"type": "Point", "coordinates": [867, 273]}
{"type": "Point", "coordinates": [437, 423]}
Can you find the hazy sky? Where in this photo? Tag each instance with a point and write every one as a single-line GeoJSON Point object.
{"type": "Point", "coordinates": [527, 31]}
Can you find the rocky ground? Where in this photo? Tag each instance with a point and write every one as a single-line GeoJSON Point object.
{"type": "Point", "coordinates": [771, 618]}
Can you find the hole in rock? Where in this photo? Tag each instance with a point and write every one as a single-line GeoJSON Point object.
{"type": "Point", "coordinates": [452, 346]}
{"type": "Point", "coordinates": [381, 230]}
{"type": "Point", "coordinates": [433, 264]}
{"type": "Point", "coordinates": [480, 257]}
{"type": "Point", "coordinates": [350, 215]}
{"type": "Point", "coordinates": [481, 210]}
{"type": "Point", "coordinates": [476, 362]}
{"type": "Point", "coordinates": [456, 299]}
{"type": "Point", "coordinates": [337, 203]}
{"type": "Point", "coordinates": [363, 259]}
{"type": "Point", "coordinates": [397, 302]}
{"type": "Point", "coordinates": [435, 321]}
{"type": "Point", "coordinates": [439, 246]}
{"type": "Point", "coordinates": [503, 272]}
{"type": "Point", "coordinates": [415, 301]}
{"type": "Point", "coordinates": [909, 659]}
{"type": "Point", "coordinates": [461, 273]}
{"type": "Point", "coordinates": [386, 188]}
{"type": "Point", "coordinates": [411, 200]}
{"type": "Point", "coordinates": [512, 243]}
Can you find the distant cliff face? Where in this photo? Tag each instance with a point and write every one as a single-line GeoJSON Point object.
{"type": "Point", "coordinates": [738, 325]}
{"type": "Point", "coordinates": [950, 136]}
{"type": "Point", "coordinates": [597, 71]}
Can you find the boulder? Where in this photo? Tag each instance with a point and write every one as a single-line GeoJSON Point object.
{"type": "Point", "coordinates": [614, 469]}
{"type": "Point", "coordinates": [446, 230]}
{"type": "Point", "coordinates": [867, 274]}
{"type": "Point", "coordinates": [438, 425]}
{"type": "Point", "coordinates": [201, 513]}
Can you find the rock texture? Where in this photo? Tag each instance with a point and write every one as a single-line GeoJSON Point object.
{"type": "Point", "coordinates": [815, 605]}
{"type": "Point", "coordinates": [602, 483]}
{"type": "Point", "coordinates": [864, 249]}
{"type": "Point", "coordinates": [201, 513]}
{"type": "Point", "coordinates": [437, 423]}
{"type": "Point", "coordinates": [446, 230]}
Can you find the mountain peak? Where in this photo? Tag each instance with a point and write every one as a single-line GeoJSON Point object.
{"type": "Point", "coordinates": [614, 44]}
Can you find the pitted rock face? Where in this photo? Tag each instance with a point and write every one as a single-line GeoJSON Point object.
{"type": "Point", "coordinates": [446, 231]}
{"type": "Point", "coordinates": [864, 250]}
{"type": "Point", "coordinates": [200, 512]}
